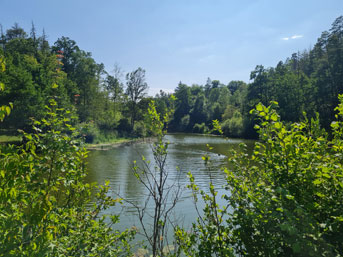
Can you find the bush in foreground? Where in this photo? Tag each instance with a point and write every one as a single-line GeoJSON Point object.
{"type": "Point", "coordinates": [45, 205]}
{"type": "Point", "coordinates": [283, 200]}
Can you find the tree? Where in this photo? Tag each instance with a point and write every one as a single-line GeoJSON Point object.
{"type": "Point", "coordinates": [5, 110]}
{"type": "Point", "coordinates": [67, 48]}
{"type": "Point", "coordinates": [29, 75]}
{"type": "Point", "coordinates": [198, 113]}
{"type": "Point", "coordinates": [234, 85]}
{"type": "Point", "coordinates": [114, 86]}
{"type": "Point", "coordinates": [183, 105]}
{"type": "Point", "coordinates": [135, 90]}
{"type": "Point", "coordinates": [161, 194]}
{"type": "Point", "coordinates": [15, 32]}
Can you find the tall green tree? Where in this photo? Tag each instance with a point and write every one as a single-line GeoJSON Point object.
{"type": "Point", "coordinates": [136, 89]}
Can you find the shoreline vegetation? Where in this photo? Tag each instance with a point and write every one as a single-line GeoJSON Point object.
{"type": "Point", "coordinates": [288, 190]}
{"type": "Point", "coordinates": [109, 105]}
{"type": "Point", "coordinates": [117, 143]}
{"type": "Point", "coordinates": [7, 139]}
{"type": "Point", "coordinates": [104, 145]}
{"type": "Point", "coordinates": [285, 199]}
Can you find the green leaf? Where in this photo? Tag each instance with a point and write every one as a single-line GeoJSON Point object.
{"type": "Point", "coordinates": [274, 117]}
{"type": "Point", "coordinates": [290, 197]}
{"type": "Point", "coordinates": [317, 181]}
{"type": "Point", "coordinates": [259, 107]}
{"type": "Point", "coordinates": [278, 125]}
{"type": "Point", "coordinates": [8, 110]}
{"type": "Point", "coordinates": [326, 175]}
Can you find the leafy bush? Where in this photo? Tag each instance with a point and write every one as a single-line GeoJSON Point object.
{"type": "Point", "coordinates": [229, 112]}
{"type": "Point", "coordinates": [89, 131]}
{"type": "Point", "coordinates": [200, 128]}
{"type": "Point", "coordinates": [139, 129]}
{"type": "Point", "coordinates": [124, 125]}
{"type": "Point", "coordinates": [45, 205]}
{"type": "Point", "coordinates": [234, 126]}
{"type": "Point", "coordinates": [184, 124]}
{"type": "Point", "coordinates": [109, 121]}
{"type": "Point", "coordinates": [283, 200]}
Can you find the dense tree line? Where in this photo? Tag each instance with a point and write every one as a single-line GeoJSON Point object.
{"type": "Point", "coordinates": [197, 106]}
{"type": "Point", "coordinates": [111, 104]}
{"type": "Point", "coordinates": [95, 96]}
{"type": "Point", "coordinates": [308, 81]}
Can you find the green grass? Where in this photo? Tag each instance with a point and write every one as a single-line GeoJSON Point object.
{"type": "Point", "coordinates": [113, 141]}
{"type": "Point", "coordinates": [9, 139]}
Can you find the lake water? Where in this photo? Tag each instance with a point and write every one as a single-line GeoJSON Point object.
{"type": "Point", "coordinates": [184, 154]}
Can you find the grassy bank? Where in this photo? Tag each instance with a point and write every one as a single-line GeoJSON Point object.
{"type": "Point", "coordinates": [115, 143]}
{"type": "Point", "coordinates": [6, 139]}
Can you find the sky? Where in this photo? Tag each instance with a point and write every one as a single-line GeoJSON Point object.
{"type": "Point", "coordinates": [180, 40]}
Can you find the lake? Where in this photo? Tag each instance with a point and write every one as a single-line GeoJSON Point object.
{"type": "Point", "coordinates": [185, 153]}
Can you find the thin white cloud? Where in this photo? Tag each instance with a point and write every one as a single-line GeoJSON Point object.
{"type": "Point", "coordinates": [296, 36]}
{"type": "Point", "coordinates": [292, 37]}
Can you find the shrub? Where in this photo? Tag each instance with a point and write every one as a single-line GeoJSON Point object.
{"type": "Point", "coordinates": [45, 205]}
{"type": "Point", "coordinates": [124, 126]}
{"type": "Point", "coordinates": [200, 128]}
{"type": "Point", "coordinates": [89, 131]}
{"type": "Point", "coordinates": [184, 124]}
{"type": "Point", "coordinates": [139, 129]}
{"type": "Point", "coordinates": [283, 200]}
{"type": "Point", "coordinates": [233, 127]}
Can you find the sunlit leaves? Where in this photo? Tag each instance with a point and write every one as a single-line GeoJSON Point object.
{"type": "Point", "coordinates": [285, 198]}
{"type": "Point", "coordinates": [44, 201]}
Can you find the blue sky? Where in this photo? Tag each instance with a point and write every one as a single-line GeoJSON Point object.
{"type": "Point", "coordinates": [180, 40]}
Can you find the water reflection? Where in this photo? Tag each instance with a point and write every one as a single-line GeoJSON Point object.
{"type": "Point", "coordinates": [184, 155]}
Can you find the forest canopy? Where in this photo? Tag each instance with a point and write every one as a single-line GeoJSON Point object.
{"type": "Point", "coordinates": [111, 104]}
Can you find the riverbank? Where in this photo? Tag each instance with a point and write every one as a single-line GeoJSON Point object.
{"type": "Point", "coordinates": [8, 139]}
{"type": "Point", "coordinates": [117, 142]}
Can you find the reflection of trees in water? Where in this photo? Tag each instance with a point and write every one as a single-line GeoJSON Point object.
{"type": "Point", "coordinates": [134, 190]}
{"type": "Point", "coordinates": [184, 154]}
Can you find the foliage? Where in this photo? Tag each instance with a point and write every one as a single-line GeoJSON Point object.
{"type": "Point", "coordinates": [209, 235]}
{"type": "Point", "coordinates": [184, 123]}
{"type": "Point", "coordinates": [136, 90]}
{"type": "Point", "coordinates": [139, 129]}
{"type": "Point", "coordinates": [89, 131]}
{"type": "Point", "coordinates": [46, 208]}
{"type": "Point", "coordinates": [234, 125]}
{"type": "Point", "coordinates": [307, 81]}
{"type": "Point", "coordinates": [84, 86]}
{"type": "Point", "coordinates": [200, 128]}
{"type": "Point", "coordinates": [283, 200]}
{"type": "Point", "coordinates": [29, 75]}
{"type": "Point", "coordinates": [5, 110]}
{"type": "Point", "coordinates": [162, 195]}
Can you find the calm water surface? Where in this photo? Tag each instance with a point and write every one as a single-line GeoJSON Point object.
{"type": "Point", "coordinates": [184, 155]}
